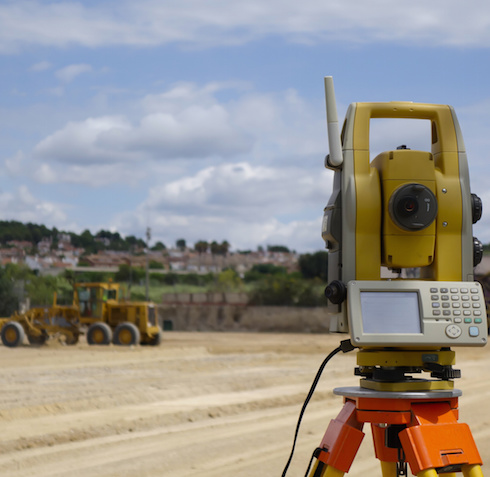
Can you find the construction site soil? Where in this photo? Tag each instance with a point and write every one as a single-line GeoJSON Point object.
{"type": "Point", "coordinates": [204, 404]}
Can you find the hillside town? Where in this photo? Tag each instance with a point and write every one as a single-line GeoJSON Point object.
{"type": "Point", "coordinates": [47, 258]}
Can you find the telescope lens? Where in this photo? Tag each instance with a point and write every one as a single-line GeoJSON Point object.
{"type": "Point", "coordinates": [413, 207]}
{"type": "Point", "coordinates": [408, 206]}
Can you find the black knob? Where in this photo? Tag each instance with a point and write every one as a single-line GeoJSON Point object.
{"type": "Point", "coordinates": [477, 251]}
{"type": "Point", "coordinates": [476, 208]}
{"type": "Point", "coordinates": [336, 292]}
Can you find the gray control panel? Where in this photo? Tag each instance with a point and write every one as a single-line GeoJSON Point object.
{"type": "Point", "coordinates": [416, 312]}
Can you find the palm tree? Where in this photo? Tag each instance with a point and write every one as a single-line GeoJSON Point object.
{"type": "Point", "coordinates": [224, 247]}
{"type": "Point", "coordinates": [215, 250]}
{"type": "Point", "coordinates": [201, 247]}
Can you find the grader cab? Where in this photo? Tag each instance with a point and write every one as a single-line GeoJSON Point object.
{"type": "Point", "coordinates": [110, 319]}
{"type": "Point", "coordinates": [97, 309]}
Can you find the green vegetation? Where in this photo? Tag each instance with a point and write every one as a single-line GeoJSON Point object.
{"type": "Point", "coordinates": [314, 265]}
{"type": "Point", "coordinates": [18, 282]}
{"type": "Point", "coordinates": [102, 240]}
{"type": "Point", "coordinates": [273, 286]}
{"type": "Point", "coordinates": [12, 230]}
{"type": "Point", "coordinates": [266, 284]}
{"type": "Point", "coordinates": [8, 298]}
{"type": "Point", "coordinates": [278, 248]}
{"type": "Point", "coordinates": [287, 290]}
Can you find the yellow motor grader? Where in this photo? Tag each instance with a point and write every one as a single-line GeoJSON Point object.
{"type": "Point", "coordinates": [97, 310]}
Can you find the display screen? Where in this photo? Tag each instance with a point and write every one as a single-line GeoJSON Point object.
{"type": "Point", "coordinates": [390, 312]}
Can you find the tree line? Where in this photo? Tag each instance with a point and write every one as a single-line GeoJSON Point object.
{"type": "Point", "coordinates": [266, 284]}
{"type": "Point", "coordinates": [11, 230]}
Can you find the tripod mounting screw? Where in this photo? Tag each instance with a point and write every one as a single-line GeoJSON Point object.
{"type": "Point", "coordinates": [336, 292]}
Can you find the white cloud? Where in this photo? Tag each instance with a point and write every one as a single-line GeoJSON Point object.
{"type": "Point", "coordinates": [242, 203]}
{"type": "Point", "coordinates": [301, 235]}
{"type": "Point", "coordinates": [241, 190]}
{"type": "Point", "coordinates": [201, 24]}
{"type": "Point", "coordinates": [69, 73]}
{"type": "Point", "coordinates": [79, 142]}
{"type": "Point", "coordinates": [21, 205]}
{"type": "Point", "coordinates": [248, 174]}
{"type": "Point", "coordinates": [184, 122]}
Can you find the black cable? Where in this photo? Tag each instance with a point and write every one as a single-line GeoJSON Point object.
{"type": "Point", "coordinates": [345, 346]}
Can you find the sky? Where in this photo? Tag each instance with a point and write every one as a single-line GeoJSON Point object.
{"type": "Point", "coordinates": [205, 120]}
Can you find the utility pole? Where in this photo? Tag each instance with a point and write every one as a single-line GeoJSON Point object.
{"type": "Point", "coordinates": [148, 237]}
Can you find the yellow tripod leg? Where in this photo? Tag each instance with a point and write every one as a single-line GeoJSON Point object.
{"type": "Point", "coordinates": [333, 472]}
{"type": "Point", "coordinates": [468, 471]}
{"type": "Point", "coordinates": [427, 473]}
{"type": "Point", "coordinates": [322, 470]}
{"type": "Point", "coordinates": [472, 471]}
{"type": "Point", "coordinates": [318, 469]}
{"type": "Point", "coordinates": [388, 469]}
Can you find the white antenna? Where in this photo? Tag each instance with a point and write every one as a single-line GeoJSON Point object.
{"type": "Point", "coordinates": [335, 158]}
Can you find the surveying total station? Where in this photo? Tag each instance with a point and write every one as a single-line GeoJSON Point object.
{"type": "Point", "coordinates": [406, 214]}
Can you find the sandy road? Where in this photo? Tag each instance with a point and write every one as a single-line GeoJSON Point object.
{"type": "Point", "coordinates": [204, 404]}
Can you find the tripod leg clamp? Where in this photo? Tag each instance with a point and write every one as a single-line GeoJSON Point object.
{"type": "Point", "coordinates": [342, 439]}
{"type": "Point", "coordinates": [445, 443]}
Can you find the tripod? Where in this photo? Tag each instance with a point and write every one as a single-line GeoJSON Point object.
{"type": "Point", "coordinates": [416, 428]}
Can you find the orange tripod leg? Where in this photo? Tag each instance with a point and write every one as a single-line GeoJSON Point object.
{"type": "Point", "coordinates": [435, 440]}
{"type": "Point", "coordinates": [339, 445]}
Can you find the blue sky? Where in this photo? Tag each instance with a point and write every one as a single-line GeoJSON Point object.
{"type": "Point", "coordinates": [205, 119]}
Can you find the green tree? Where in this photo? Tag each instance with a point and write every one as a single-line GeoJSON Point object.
{"type": "Point", "coordinates": [155, 265]}
{"type": "Point", "coordinates": [87, 239]}
{"type": "Point", "coordinates": [224, 248]}
{"type": "Point", "coordinates": [41, 290]}
{"type": "Point", "coordinates": [274, 290]}
{"type": "Point", "coordinates": [181, 244]}
{"type": "Point", "coordinates": [214, 247]}
{"type": "Point", "coordinates": [201, 246]}
{"type": "Point", "coordinates": [126, 273]}
{"type": "Point", "coordinates": [159, 246]}
{"type": "Point", "coordinates": [277, 248]}
{"type": "Point", "coordinates": [135, 242]}
{"type": "Point", "coordinates": [261, 270]}
{"type": "Point", "coordinates": [8, 300]}
{"type": "Point", "coordinates": [286, 290]}
{"type": "Point", "coordinates": [228, 280]}
{"type": "Point", "coordinates": [314, 265]}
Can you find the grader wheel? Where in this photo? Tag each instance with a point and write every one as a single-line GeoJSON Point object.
{"type": "Point", "coordinates": [37, 340]}
{"type": "Point", "coordinates": [71, 339]}
{"type": "Point", "coordinates": [126, 334]}
{"type": "Point", "coordinates": [12, 334]}
{"type": "Point", "coordinates": [99, 334]}
{"type": "Point", "coordinates": [155, 340]}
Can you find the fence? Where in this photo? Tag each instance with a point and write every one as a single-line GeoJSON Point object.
{"type": "Point", "coordinates": [194, 316]}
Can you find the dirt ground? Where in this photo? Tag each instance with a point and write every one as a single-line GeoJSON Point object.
{"type": "Point", "coordinates": [204, 404]}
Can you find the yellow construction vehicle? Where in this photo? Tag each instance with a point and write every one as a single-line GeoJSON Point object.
{"type": "Point", "coordinates": [110, 319]}
{"type": "Point", "coordinates": [97, 309]}
{"type": "Point", "coordinates": [40, 323]}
